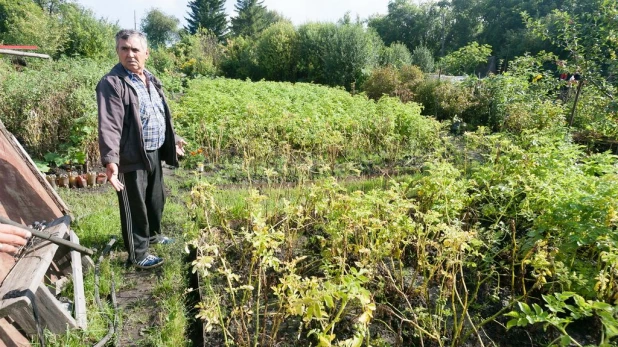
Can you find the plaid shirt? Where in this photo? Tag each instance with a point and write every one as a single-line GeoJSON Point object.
{"type": "Point", "coordinates": [151, 111]}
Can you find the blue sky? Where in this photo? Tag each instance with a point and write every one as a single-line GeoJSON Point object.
{"type": "Point", "coordinates": [299, 11]}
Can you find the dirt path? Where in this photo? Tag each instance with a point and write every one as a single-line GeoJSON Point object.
{"type": "Point", "coordinates": [137, 305]}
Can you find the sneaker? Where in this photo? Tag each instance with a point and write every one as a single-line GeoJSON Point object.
{"type": "Point", "coordinates": [162, 240]}
{"type": "Point", "coordinates": [149, 262]}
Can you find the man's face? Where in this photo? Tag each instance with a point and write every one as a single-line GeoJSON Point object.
{"type": "Point", "coordinates": [132, 54]}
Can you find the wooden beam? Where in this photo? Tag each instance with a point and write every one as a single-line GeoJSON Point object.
{"type": "Point", "coordinates": [24, 296]}
{"type": "Point", "coordinates": [24, 54]}
{"type": "Point", "coordinates": [10, 336]}
{"type": "Point", "coordinates": [79, 297]}
{"type": "Point", "coordinates": [21, 152]}
{"type": "Point", "coordinates": [18, 47]}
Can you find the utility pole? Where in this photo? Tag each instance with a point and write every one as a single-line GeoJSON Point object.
{"type": "Point", "coordinates": [134, 19]}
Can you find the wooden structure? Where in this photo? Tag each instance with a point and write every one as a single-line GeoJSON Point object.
{"type": "Point", "coordinates": [12, 50]}
{"type": "Point", "coordinates": [26, 302]}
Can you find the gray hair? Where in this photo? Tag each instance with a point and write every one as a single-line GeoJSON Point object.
{"type": "Point", "coordinates": [124, 34]}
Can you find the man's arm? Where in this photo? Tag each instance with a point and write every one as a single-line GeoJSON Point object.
{"type": "Point", "coordinates": [111, 116]}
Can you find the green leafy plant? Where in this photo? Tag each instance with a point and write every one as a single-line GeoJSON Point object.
{"type": "Point", "coordinates": [563, 309]}
{"type": "Point", "coordinates": [465, 59]}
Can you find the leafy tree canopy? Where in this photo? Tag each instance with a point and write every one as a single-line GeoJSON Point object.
{"type": "Point", "coordinates": [161, 29]}
{"type": "Point", "coordinates": [466, 59]}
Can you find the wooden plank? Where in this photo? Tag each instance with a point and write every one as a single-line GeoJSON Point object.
{"type": "Point", "coordinates": [28, 160]}
{"type": "Point", "coordinates": [20, 286]}
{"type": "Point", "coordinates": [51, 313]}
{"type": "Point", "coordinates": [79, 298]}
{"type": "Point", "coordinates": [25, 195]}
{"type": "Point", "coordinates": [24, 54]}
{"type": "Point", "coordinates": [22, 314]}
{"type": "Point", "coordinates": [18, 47]}
{"type": "Point", "coordinates": [10, 336]}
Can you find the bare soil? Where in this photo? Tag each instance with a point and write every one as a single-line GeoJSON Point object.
{"type": "Point", "coordinates": [135, 303]}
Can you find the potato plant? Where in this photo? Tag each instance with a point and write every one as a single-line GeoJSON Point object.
{"type": "Point", "coordinates": [508, 232]}
{"type": "Point", "coordinates": [299, 130]}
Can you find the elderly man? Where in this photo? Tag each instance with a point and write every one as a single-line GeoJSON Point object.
{"type": "Point", "coordinates": [135, 135]}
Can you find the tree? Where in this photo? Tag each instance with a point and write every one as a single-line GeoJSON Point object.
{"type": "Point", "coordinates": [505, 30]}
{"type": "Point", "coordinates": [207, 14]}
{"type": "Point", "coordinates": [86, 35]}
{"type": "Point", "coordinates": [466, 59]}
{"type": "Point", "coordinates": [422, 57]}
{"type": "Point", "coordinates": [277, 52]}
{"type": "Point", "coordinates": [350, 54]}
{"type": "Point", "coordinates": [50, 6]}
{"type": "Point", "coordinates": [271, 17]}
{"type": "Point", "coordinates": [250, 18]}
{"type": "Point", "coordinates": [160, 28]}
{"type": "Point", "coordinates": [397, 55]}
{"type": "Point", "coordinates": [410, 24]}
{"type": "Point", "coordinates": [24, 22]}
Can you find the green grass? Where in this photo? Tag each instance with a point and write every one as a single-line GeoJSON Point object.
{"type": "Point", "coordinates": [96, 221]}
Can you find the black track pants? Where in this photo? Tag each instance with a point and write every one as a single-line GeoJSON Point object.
{"type": "Point", "coordinates": [141, 206]}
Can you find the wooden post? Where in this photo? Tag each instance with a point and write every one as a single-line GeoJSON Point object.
{"type": "Point", "coordinates": [79, 298]}
{"type": "Point", "coordinates": [579, 89]}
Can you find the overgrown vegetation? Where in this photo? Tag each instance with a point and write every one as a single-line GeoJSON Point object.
{"type": "Point", "coordinates": [504, 234]}
{"type": "Point", "coordinates": [299, 131]}
{"type": "Point", "coordinates": [439, 259]}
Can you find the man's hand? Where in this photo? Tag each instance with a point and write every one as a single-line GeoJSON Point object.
{"type": "Point", "coordinates": [180, 150]}
{"type": "Point", "coordinates": [12, 237]}
{"type": "Point", "coordinates": [112, 176]}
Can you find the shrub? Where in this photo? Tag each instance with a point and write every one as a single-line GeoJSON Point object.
{"type": "Point", "coordinates": [423, 58]}
{"type": "Point", "coordinates": [199, 54]}
{"type": "Point", "coordinates": [397, 55]}
{"type": "Point", "coordinates": [383, 81]}
{"type": "Point", "coordinates": [87, 36]}
{"type": "Point", "coordinates": [445, 100]}
{"type": "Point", "coordinates": [52, 109]}
{"type": "Point", "coordinates": [453, 100]}
{"type": "Point", "coordinates": [337, 55]}
{"type": "Point", "coordinates": [465, 59]}
{"type": "Point", "coordinates": [163, 60]}
{"type": "Point", "coordinates": [425, 94]}
{"type": "Point", "coordinates": [277, 52]}
{"type": "Point", "coordinates": [313, 41]}
{"type": "Point", "coordinates": [22, 21]}
{"type": "Point", "coordinates": [523, 116]}
{"type": "Point", "coordinates": [350, 53]}
{"type": "Point", "coordinates": [239, 60]}
{"type": "Point", "coordinates": [393, 82]}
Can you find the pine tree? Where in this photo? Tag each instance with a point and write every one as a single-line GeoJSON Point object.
{"type": "Point", "coordinates": [250, 18]}
{"type": "Point", "coordinates": [207, 14]}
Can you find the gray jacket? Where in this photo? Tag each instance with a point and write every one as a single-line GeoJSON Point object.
{"type": "Point", "coordinates": [120, 128]}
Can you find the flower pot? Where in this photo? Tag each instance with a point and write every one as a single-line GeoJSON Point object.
{"type": "Point", "coordinates": [63, 181]}
{"type": "Point", "coordinates": [51, 179]}
{"type": "Point", "coordinates": [81, 181]}
{"type": "Point", "coordinates": [91, 178]}
{"type": "Point", "coordinates": [101, 178]}
{"type": "Point", "coordinates": [72, 179]}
